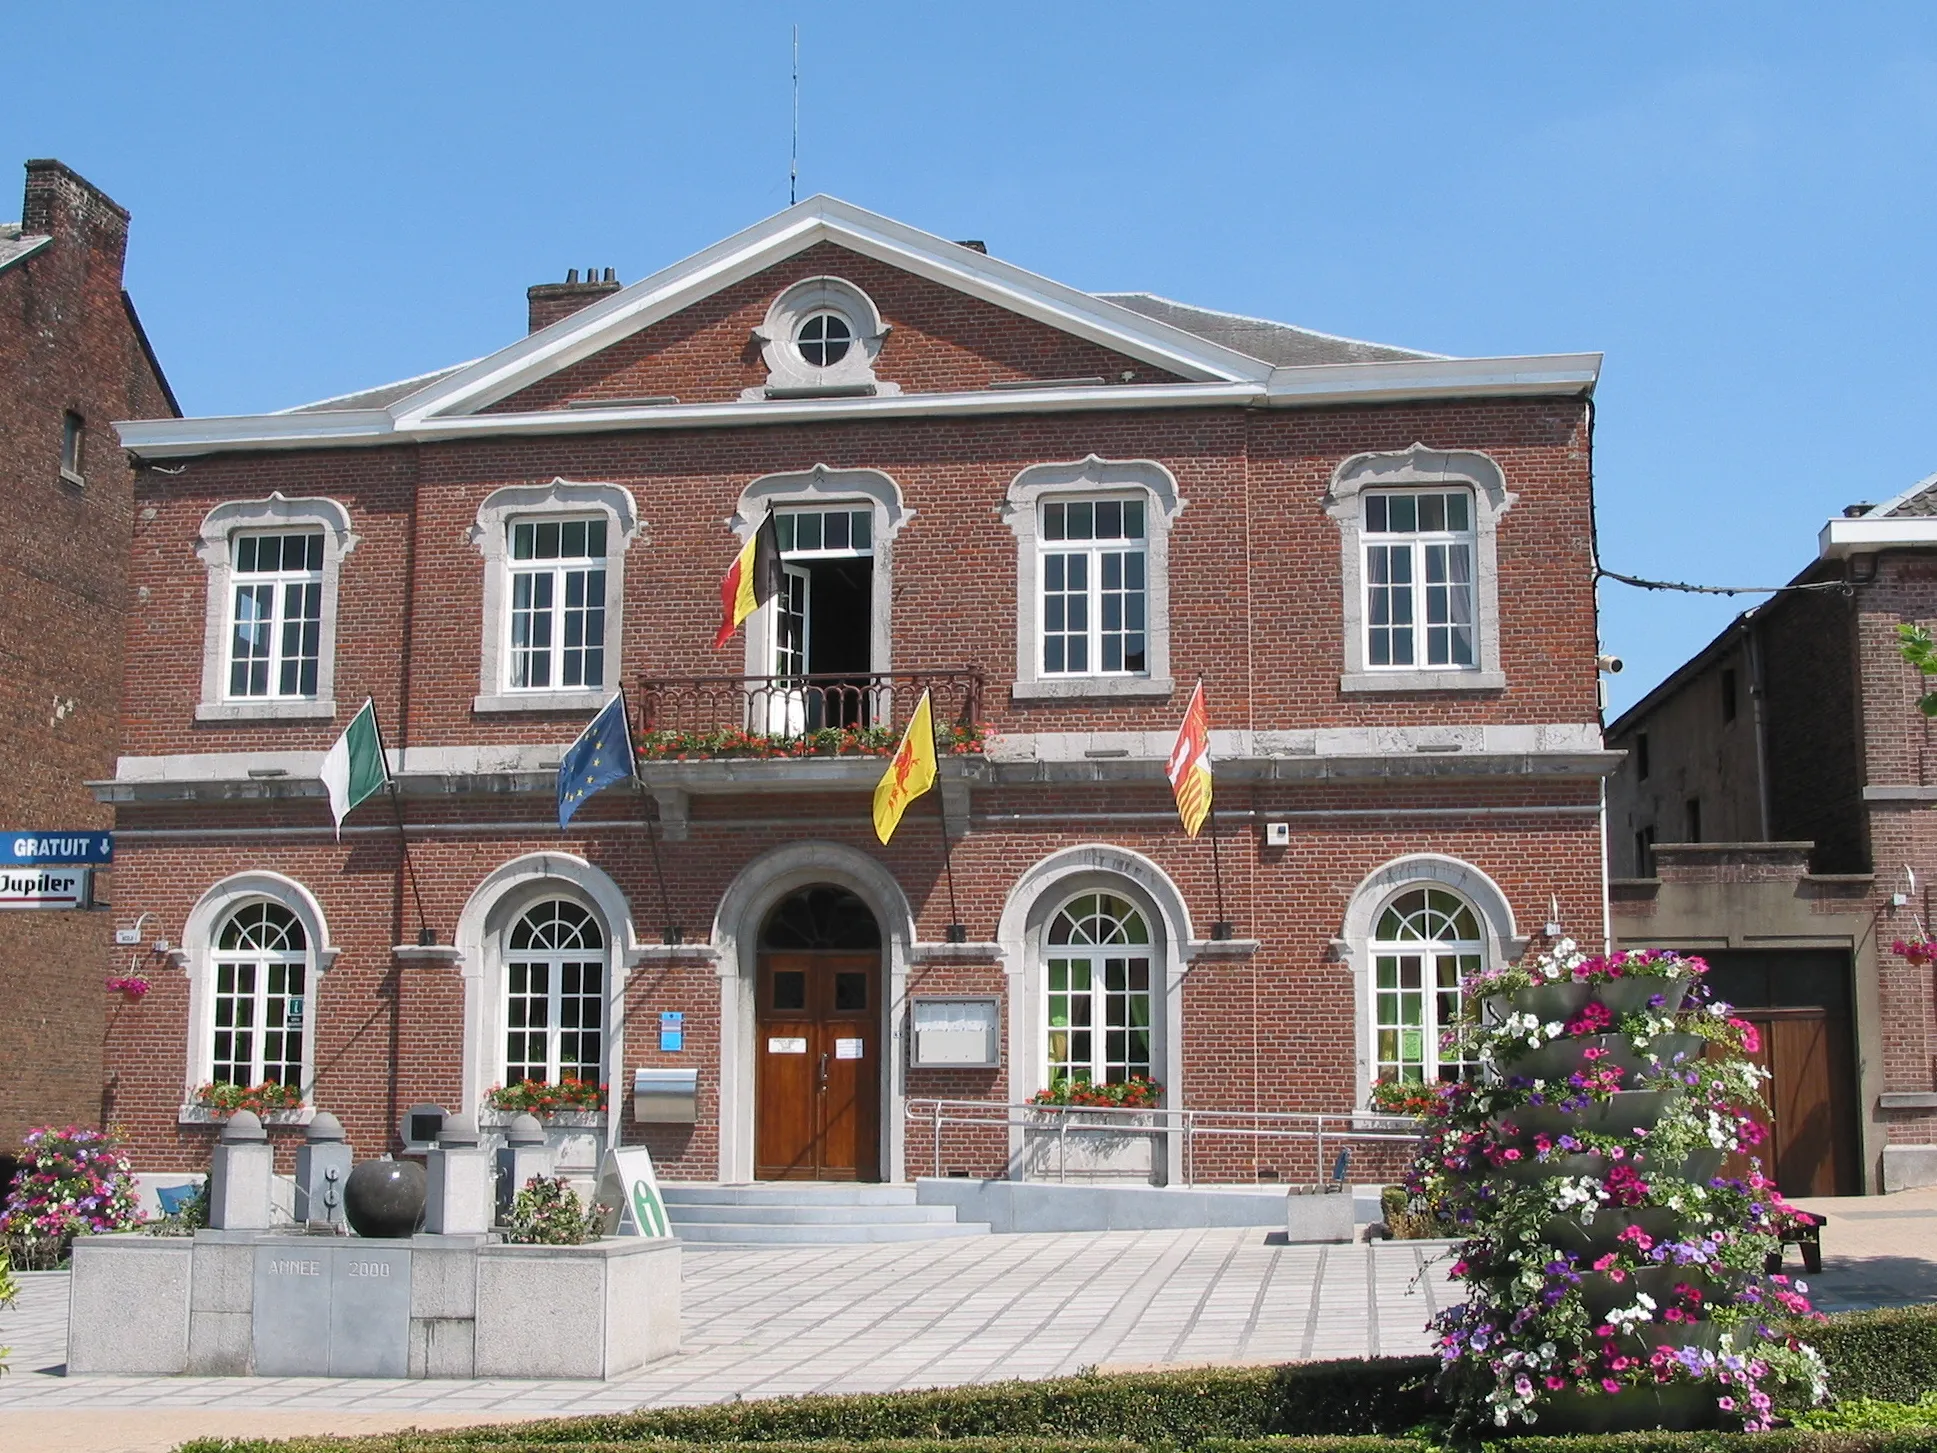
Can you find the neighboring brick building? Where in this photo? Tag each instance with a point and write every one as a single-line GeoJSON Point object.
{"type": "Point", "coordinates": [72, 359]}
{"type": "Point", "coordinates": [1774, 802]}
{"type": "Point", "coordinates": [1057, 510]}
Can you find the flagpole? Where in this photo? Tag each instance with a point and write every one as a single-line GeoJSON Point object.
{"type": "Point", "coordinates": [669, 932]}
{"type": "Point", "coordinates": [425, 934]}
{"type": "Point", "coordinates": [1222, 927]}
{"type": "Point", "coordinates": [957, 930]}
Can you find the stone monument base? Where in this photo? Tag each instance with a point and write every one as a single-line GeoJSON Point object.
{"type": "Point", "coordinates": [242, 1303]}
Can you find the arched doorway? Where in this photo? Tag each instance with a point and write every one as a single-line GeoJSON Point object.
{"type": "Point", "coordinates": [818, 1031]}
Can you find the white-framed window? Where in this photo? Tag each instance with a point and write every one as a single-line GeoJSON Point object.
{"type": "Point", "coordinates": [276, 615]}
{"type": "Point", "coordinates": [1426, 940]}
{"type": "Point", "coordinates": [269, 644]}
{"type": "Point", "coordinates": [1419, 568]}
{"type": "Point", "coordinates": [1098, 963]}
{"type": "Point", "coordinates": [1092, 576]}
{"type": "Point", "coordinates": [554, 594]}
{"type": "Point", "coordinates": [1095, 584]}
{"type": "Point", "coordinates": [555, 967]}
{"type": "Point", "coordinates": [1419, 609]}
{"type": "Point", "coordinates": [823, 339]}
{"type": "Point", "coordinates": [259, 997]}
{"type": "Point", "coordinates": [557, 615]}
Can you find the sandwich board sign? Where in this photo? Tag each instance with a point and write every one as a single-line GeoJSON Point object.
{"type": "Point", "coordinates": [629, 1190]}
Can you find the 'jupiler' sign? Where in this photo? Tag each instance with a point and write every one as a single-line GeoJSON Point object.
{"type": "Point", "coordinates": [45, 849]}
{"type": "Point", "coordinates": [43, 887]}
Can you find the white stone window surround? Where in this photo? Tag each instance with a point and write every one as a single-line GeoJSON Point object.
{"type": "Point", "coordinates": [504, 896]}
{"type": "Point", "coordinates": [561, 498]}
{"type": "Point", "coordinates": [1089, 478]}
{"type": "Point", "coordinates": [789, 370]}
{"type": "Point", "coordinates": [1421, 468]}
{"type": "Point", "coordinates": [217, 551]}
{"type": "Point", "coordinates": [1503, 943]}
{"type": "Point", "coordinates": [197, 960]}
{"type": "Point", "coordinates": [822, 485]}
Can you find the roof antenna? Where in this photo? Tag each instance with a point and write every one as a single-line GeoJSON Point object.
{"type": "Point", "coordinates": [793, 169]}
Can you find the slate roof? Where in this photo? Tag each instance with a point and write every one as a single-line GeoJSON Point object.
{"type": "Point", "coordinates": [380, 397]}
{"type": "Point", "coordinates": [1918, 501]}
{"type": "Point", "coordinates": [1260, 338]}
{"type": "Point", "coordinates": [16, 244]}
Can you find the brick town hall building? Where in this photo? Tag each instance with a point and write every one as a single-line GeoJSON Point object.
{"type": "Point", "coordinates": [1057, 511]}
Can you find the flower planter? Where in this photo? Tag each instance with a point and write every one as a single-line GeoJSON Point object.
{"type": "Point", "coordinates": [1562, 1000]}
{"type": "Point", "coordinates": [1678, 1406]}
{"type": "Point", "coordinates": [1622, 1113]}
{"type": "Point", "coordinates": [1559, 1058]}
{"type": "Point", "coordinates": [575, 1138]}
{"type": "Point", "coordinates": [1603, 1233]}
{"type": "Point", "coordinates": [1700, 1166]}
{"type": "Point", "coordinates": [1680, 1334]}
{"type": "Point", "coordinates": [1631, 995]}
{"type": "Point", "coordinates": [1673, 1049]}
{"type": "Point", "coordinates": [1112, 1148]}
{"type": "Point", "coordinates": [1602, 1293]}
{"type": "Point", "coordinates": [1554, 1167]}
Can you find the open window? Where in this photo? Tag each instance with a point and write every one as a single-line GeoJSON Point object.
{"type": "Point", "coordinates": [821, 627]}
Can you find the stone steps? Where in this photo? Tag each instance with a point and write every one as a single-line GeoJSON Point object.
{"type": "Point", "coordinates": [780, 1213]}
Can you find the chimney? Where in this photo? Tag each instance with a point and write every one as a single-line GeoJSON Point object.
{"type": "Point", "coordinates": [974, 244]}
{"type": "Point", "coordinates": [62, 203]}
{"type": "Point", "coordinates": [548, 302]}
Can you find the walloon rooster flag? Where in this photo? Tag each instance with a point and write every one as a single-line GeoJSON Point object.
{"type": "Point", "coordinates": [911, 771]}
{"type": "Point", "coordinates": [1189, 767]}
{"type": "Point", "coordinates": [754, 580]}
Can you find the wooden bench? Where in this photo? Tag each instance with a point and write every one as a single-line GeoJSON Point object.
{"type": "Point", "coordinates": [1807, 1237]}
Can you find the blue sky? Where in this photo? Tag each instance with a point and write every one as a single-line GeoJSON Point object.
{"type": "Point", "coordinates": [1733, 202]}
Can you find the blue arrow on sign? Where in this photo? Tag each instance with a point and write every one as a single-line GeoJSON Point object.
{"type": "Point", "coordinates": [46, 849]}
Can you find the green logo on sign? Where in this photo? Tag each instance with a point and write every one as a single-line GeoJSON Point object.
{"type": "Point", "coordinates": [647, 1210]}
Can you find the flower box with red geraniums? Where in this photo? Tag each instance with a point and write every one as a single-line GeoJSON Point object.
{"type": "Point", "coordinates": [956, 740]}
{"type": "Point", "coordinates": [1135, 1093]}
{"type": "Point", "coordinates": [1412, 1098]}
{"type": "Point", "coordinates": [268, 1098]}
{"type": "Point", "coordinates": [537, 1097]}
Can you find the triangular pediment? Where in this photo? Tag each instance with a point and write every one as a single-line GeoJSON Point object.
{"type": "Point", "coordinates": [937, 287]}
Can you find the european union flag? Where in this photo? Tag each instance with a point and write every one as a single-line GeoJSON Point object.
{"type": "Point", "coordinates": [601, 756]}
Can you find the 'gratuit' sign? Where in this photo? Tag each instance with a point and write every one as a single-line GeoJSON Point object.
{"type": "Point", "coordinates": [43, 888]}
{"type": "Point", "coordinates": [48, 849]}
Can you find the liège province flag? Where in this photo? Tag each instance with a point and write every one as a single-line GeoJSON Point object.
{"type": "Point", "coordinates": [754, 580]}
{"type": "Point", "coordinates": [1189, 767]}
{"type": "Point", "coordinates": [911, 771]}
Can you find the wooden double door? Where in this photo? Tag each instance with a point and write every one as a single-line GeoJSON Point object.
{"type": "Point", "coordinates": [817, 1077]}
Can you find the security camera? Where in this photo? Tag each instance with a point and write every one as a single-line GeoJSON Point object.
{"type": "Point", "coordinates": [1610, 664]}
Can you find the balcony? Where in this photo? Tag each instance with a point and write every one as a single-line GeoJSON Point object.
{"type": "Point", "coordinates": [685, 718]}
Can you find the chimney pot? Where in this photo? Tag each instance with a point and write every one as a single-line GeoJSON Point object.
{"type": "Point", "coordinates": [611, 276]}
{"type": "Point", "coordinates": [571, 274]}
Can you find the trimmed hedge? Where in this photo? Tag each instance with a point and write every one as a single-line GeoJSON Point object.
{"type": "Point", "coordinates": [1889, 1354]}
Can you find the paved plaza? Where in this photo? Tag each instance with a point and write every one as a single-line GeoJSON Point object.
{"type": "Point", "coordinates": [790, 1320]}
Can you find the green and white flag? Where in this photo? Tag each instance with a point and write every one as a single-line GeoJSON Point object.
{"type": "Point", "coordinates": [354, 768]}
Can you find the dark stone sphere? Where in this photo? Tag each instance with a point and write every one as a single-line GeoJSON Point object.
{"type": "Point", "coordinates": [385, 1198]}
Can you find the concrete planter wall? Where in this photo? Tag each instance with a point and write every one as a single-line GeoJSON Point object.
{"type": "Point", "coordinates": [575, 1138]}
{"type": "Point", "coordinates": [1107, 1148]}
{"type": "Point", "coordinates": [241, 1303]}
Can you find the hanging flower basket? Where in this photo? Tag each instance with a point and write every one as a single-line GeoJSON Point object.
{"type": "Point", "coordinates": [1919, 951]}
{"type": "Point", "coordinates": [134, 986]}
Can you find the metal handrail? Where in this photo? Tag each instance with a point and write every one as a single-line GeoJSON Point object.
{"type": "Point", "coordinates": [784, 705]}
{"type": "Point", "coordinates": [1293, 1125]}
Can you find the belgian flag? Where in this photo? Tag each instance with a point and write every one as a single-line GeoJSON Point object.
{"type": "Point", "coordinates": [753, 581]}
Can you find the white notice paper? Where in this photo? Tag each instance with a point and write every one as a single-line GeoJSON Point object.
{"type": "Point", "coordinates": [847, 1048]}
{"type": "Point", "coordinates": [787, 1046]}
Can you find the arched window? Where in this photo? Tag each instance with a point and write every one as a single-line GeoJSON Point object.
{"type": "Point", "coordinates": [554, 978]}
{"type": "Point", "coordinates": [1424, 943]}
{"type": "Point", "coordinates": [261, 1006]}
{"type": "Point", "coordinates": [1096, 960]}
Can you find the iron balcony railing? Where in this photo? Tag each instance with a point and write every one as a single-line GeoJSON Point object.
{"type": "Point", "coordinates": [1328, 1140]}
{"type": "Point", "coordinates": [790, 706]}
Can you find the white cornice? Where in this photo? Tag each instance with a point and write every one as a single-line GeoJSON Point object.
{"type": "Point", "coordinates": [1863, 535]}
{"type": "Point", "coordinates": [1425, 378]}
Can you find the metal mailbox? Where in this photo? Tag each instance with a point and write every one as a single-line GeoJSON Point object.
{"type": "Point", "coordinates": [665, 1096]}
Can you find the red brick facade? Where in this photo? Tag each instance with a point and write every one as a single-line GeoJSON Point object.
{"type": "Point", "coordinates": [69, 344]}
{"type": "Point", "coordinates": [1267, 1022]}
